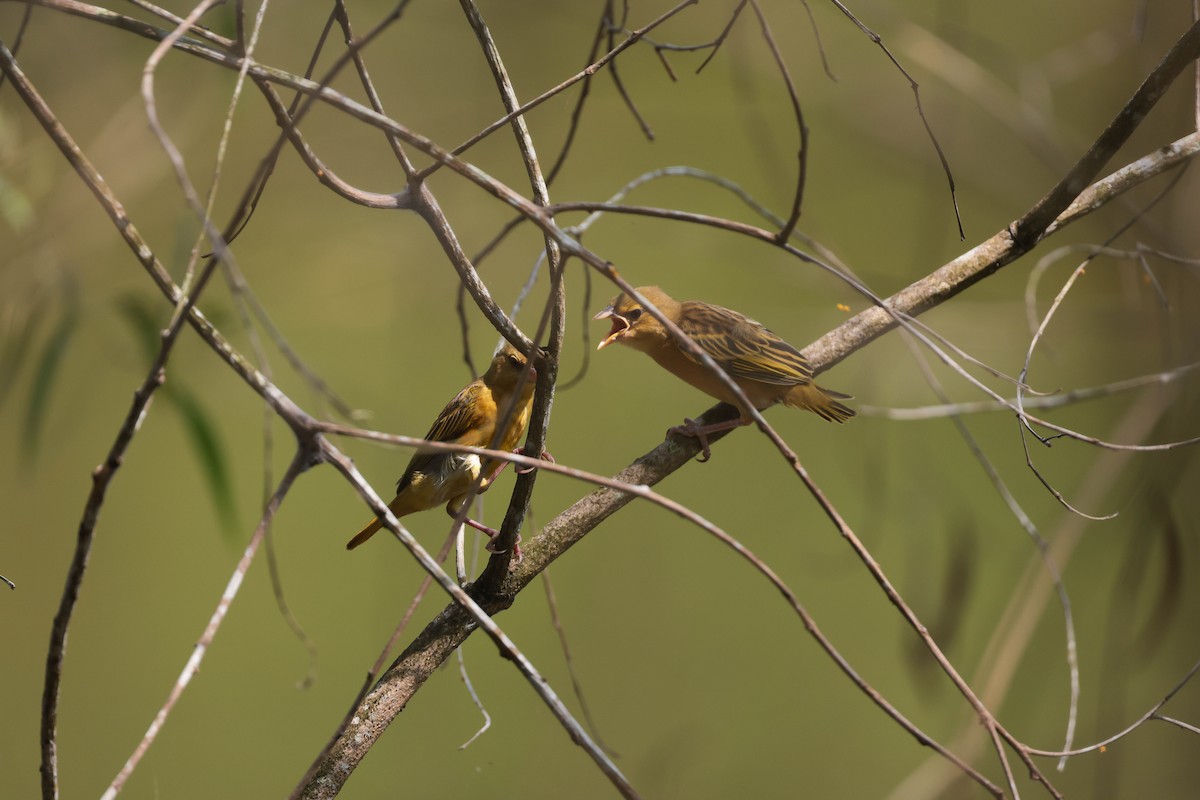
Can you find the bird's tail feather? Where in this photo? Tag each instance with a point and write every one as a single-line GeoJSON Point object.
{"type": "Point", "coordinates": [365, 533]}
{"type": "Point", "coordinates": [400, 506]}
{"type": "Point", "coordinates": [820, 401]}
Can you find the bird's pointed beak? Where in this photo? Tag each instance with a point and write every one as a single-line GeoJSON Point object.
{"type": "Point", "coordinates": [619, 326]}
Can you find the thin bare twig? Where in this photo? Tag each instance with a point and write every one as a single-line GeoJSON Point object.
{"type": "Point", "coordinates": [511, 199]}
{"type": "Point", "coordinates": [1047, 401]}
{"type": "Point", "coordinates": [785, 232]}
{"type": "Point", "coordinates": [304, 458]}
{"type": "Point", "coordinates": [576, 112]}
{"type": "Point", "coordinates": [550, 224]}
{"type": "Point", "coordinates": [633, 38]}
{"type": "Point", "coordinates": [954, 277]}
{"type": "Point", "coordinates": [1151, 714]}
{"type": "Point", "coordinates": [835, 341]}
{"type": "Point", "coordinates": [1023, 423]}
{"type": "Point", "coordinates": [1093, 251]}
{"type": "Point", "coordinates": [548, 367]}
{"type": "Point", "coordinates": [26, 16]}
{"type": "Point", "coordinates": [487, 718]}
{"type": "Point", "coordinates": [445, 633]}
{"type": "Point", "coordinates": [1024, 520]}
{"type": "Point", "coordinates": [360, 67]}
{"type": "Point", "coordinates": [916, 90]}
{"type": "Point", "coordinates": [576, 685]}
{"type": "Point", "coordinates": [1024, 613]}
{"type": "Point", "coordinates": [1178, 723]}
{"type": "Point", "coordinates": [285, 610]}
{"type": "Point", "coordinates": [721, 37]}
{"type": "Point", "coordinates": [350, 749]}
{"type": "Point", "coordinates": [615, 74]}
{"type": "Point", "coordinates": [101, 478]}
{"type": "Point", "coordinates": [103, 474]}
{"type": "Point", "coordinates": [372, 673]}
{"type": "Point", "coordinates": [297, 419]}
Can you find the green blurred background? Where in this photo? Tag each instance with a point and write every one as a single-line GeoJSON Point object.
{"type": "Point", "coordinates": [698, 676]}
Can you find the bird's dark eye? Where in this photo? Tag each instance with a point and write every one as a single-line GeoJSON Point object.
{"type": "Point", "coordinates": [633, 314]}
{"type": "Point", "coordinates": [514, 362]}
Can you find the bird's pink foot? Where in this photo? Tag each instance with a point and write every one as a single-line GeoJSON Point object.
{"type": "Point", "coordinates": [700, 433]}
{"type": "Point", "coordinates": [545, 456]}
{"type": "Point", "coordinates": [492, 548]}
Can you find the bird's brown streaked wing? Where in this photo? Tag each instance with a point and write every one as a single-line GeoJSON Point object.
{"type": "Point", "coordinates": [460, 416]}
{"type": "Point", "coordinates": [743, 347]}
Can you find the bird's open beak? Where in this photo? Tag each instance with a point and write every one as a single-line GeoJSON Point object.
{"type": "Point", "coordinates": [619, 326]}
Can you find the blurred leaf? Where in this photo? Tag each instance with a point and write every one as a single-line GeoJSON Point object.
{"type": "Point", "coordinates": [1168, 599]}
{"type": "Point", "coordinates": [223, 20]}
{"type": "Point", "coordinates": [197, 423]}
{"type": "Point", "coordinates": [144, 322]}
{"type": "Point", "coordinates": [207, 445]}
{"type": "Point", "coordinates": [14, 206]}
{"type": "Point", "coordinates": [47, 371]}
{"type": "Point", "coordinates": [23, 320]}
{"type": "Point", "coordinates": [946, 616]}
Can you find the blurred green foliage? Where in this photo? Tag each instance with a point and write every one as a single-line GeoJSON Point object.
{"type": "Point", "coordinates": [147, 322]}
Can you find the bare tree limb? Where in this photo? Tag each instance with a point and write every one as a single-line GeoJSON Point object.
{"type": "Point", "coordinates": [496, 588]}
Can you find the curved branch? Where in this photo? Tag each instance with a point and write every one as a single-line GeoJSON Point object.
{"type": "Point", "coordinates": [447, 631]}
{"type": "Point", "coordinates": [1151, 714]}
{"type": "Point", "coordinates": [301, 461]}
{"type": "Point", "coordinates": [1022, 236]}
{"type": "Point", "coordinates": [939, 286]}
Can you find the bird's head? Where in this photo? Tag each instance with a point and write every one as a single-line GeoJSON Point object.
{"type": "Point", "coordinates": [508, 364]}
{"type": "Point", "coordinates": [632, 324]}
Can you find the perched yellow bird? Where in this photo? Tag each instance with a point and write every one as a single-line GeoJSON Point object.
{"type": "Point", "coordinates": [433, 478]}
{"type": "Point", "coordinates": [765, 367]}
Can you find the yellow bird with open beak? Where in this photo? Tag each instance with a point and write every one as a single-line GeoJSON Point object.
{"type": "Point", "coordinates": [765, 367]}
{"type": "Point", "coordinates": [436, 477]}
